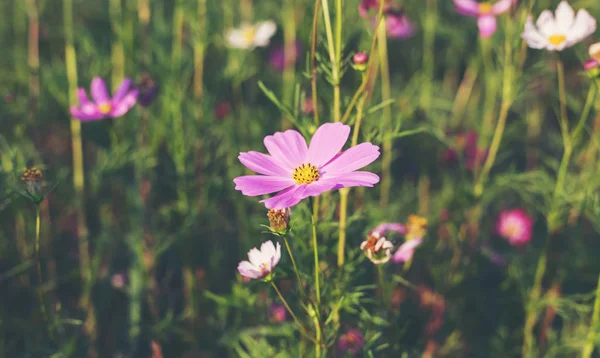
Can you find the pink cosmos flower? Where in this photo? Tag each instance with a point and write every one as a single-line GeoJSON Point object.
{"type": "Point", "coordinates": [405, 251]}
{"type": "Point", "coordinates": [351, 342]}
{"type": "Point", "coordinates": [277, 313]}
{"type": "Point", "coordinates": [103, 105]}
{"type": "Point", "coordinates": [298, 171]}
{"type": "Point", "coordinates": [465, 147]}
{"type": "Point", "coordinates": [516, 226]}
{"type": "Point", "coordinates": [485, 12]}
{"type": "Point", "coordinates": [398, 25]}
{"type": "Point", "coordinates": [261, 263]}
{"type": "Point", "coordinates": [372, 5]}
{"type": "Point", "coordinates": [277, 56]}
{"type": "Point", "coordinates": [381, 229]}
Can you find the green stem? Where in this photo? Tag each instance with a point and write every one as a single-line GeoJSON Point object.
{"type": "Point", "coordinates": [564, 128]}
{"type": "Point", "coordinates": [287, 245]}
{"type": "Point", "coordinates": [588, 348]}
{"type": "Point", "coordinates": [318, 335]}
{"type": "Point", "coordinates": [504, 107]}
{"type": "Point", "coordinates": [289, 53]}
{"type": "Point", "coordinates": [335, 73]}
{"type": "Point", "coordinates": [39, 271]}
{"type": "Point", "coordinates": [313, 61]}
{"type": "Point", "coordinates": [386, 180]}
{"type": "Point", "coordinates": [382, 284]}
{"type": "Point", "coordinates": [287, 307]}
{"type": "Point", "coordinates": [315, 217]}
{"type": "Point", "coordinates": [428, 53]}
{"type": "Point", "coordinates": [534, 296]}
{"type": "Point", "coordinates": [344, 192]}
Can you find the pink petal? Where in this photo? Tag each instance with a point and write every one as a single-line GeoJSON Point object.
{"type": "Point", "coordinates": [289, 148]}
{"type": "Point", "coordinates": [352, 159]}
{"type": "Point", "coordinates": [255, 257]}
{"type": "Point", "coordinates": [254, 185]}
{"type": "Point", "coordinates": [319, 187]}
{"type": "Point", "coordinates": [83, 98]}
{"type": "Point", "coordinates": [99, 91]}
{"type": "Point", "coordinates": [246, 269]}
{"type": "Point", "coordinates": [381, 229]}
{"type": "Point", "coordinates": [122, 90]}
{"type": "Point", "coordinates": [353, 179]}
{"type": "Point", "coordinates": [287, 198]}
{"type": "Point", "coordinates": [405, 251]}
{"type": "Point", "coordinates": [83, 116]}
{"type": "Point", "coordinates": [467, 7]}
{"type": "Point", "coordinates": [501, 6]}
{"type": "Point", "coordinates": [327, 141]}
{"type": "Point", "coordinates": [124, 105]}
{"type": "Point", "coordinates": [263, 164]}
{"type": "Point", "coordinates": [487, 25]}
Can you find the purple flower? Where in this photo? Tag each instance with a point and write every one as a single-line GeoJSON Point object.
{"type": "Point", "coordinates": [103, 106]}
{"type": "Point", "coordinates": [405, 251]}
{"type": "Point", "coordinates": [398, 25]}
{"type": "Point", "coordinates": [277, 313]}
{"type": "Point", "coordinates": [298, 171]}
{"type": "Point", "coordinates": [277, 58]}
{"type": "Point", "coordinates": [351, 342]}
{"type": "Point", "coordinates": [485, 12]}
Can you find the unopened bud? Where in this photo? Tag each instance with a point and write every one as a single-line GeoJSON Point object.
{"type": "Point", "coordinates": [279, 220]}
{"type": "Point", "coordinates": [594, 51]}
{"type": "Point", "coordinates": [592, 68]}
{"type": "Point", "coordinates": [359, 61]}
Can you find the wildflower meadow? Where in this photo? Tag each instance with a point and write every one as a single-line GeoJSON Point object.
{"type": "Point", "coordinates": [299, 178]}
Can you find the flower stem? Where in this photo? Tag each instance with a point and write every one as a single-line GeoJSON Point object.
{"type": "Point", "coordinates": [289, 56]}
{"type": "Point", "coordinates": [387, 115]}
{"type": "Point", "coordinates": [344, 192]}
{"type": "Point", "coordinates": [39, 271]}
{"type": "Point", "coordinates": [287, 245]}
{"type": "Point", "coordinates": [315, 217]}
{"type": "Point", "coordinates": [302, 329]}
{"type": "Point", "coordinates": [564, 129]}
{"type": "Point", "coordinates": [428, 53]}
{"type": "Point", "coordinates": [382, 284]}
{"type": "Point", "coordinates": [78, 178]}
{"type": "Point", "coordinates": [313, 61]}
{"type": "Point", "coordinates": [318, 336]}
{"type": "Point", "coordinates": [504, 107]}
{"type": "Point", "coordinates": [534, 296]}
{"type": "Point", "coordinates": [588, 348]}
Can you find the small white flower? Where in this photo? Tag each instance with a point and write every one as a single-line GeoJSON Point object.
{"type": "Point", "coordinates": [559, 31]}
{"type": "Point", "coordinates": [261, 263]}
{"type": "Point", "coordinates": [377, 248]}
{"type": "Point", "coordinates": [594, 51]}
{"type": "Point", "coordinates": [249, 36]}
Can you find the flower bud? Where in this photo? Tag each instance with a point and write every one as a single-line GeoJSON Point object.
{"type": "Point", "coordinates": [592, 68]}
{"type": "Point", "coordinates": [360, 61]}
{"type": "Point", "coordinates": [279, 220]}
{"type": "Point", "coordinates": [594, 51]}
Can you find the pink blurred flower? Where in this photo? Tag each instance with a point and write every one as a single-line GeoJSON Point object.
{"type": "Point", "coordinates": [222, 109]}
{"type": "Point", "coordinates": [485, 12]}
{"type": "Point", "coordinates": [398, 25]}
{"type": "Point", "coordinates": [277, 313]}
{"type": "Point", "coordinates": [277, 58]}
{"type": "Point", "coordinates": [118, 280]}
{"type": "Point", "coordinates": [261, 263]}
{"type": "Point", "coordinates": [308, 106]}
{"type": "Point", "coordinates": [465, 147]}
{"type": "Point", "coordinates": [516, 226]}
{"type": "Point", "coordinates": [103, 106]}
{"type": "Point", "coordinates": [405, 251]}
{"type": "Point", "coordinates": [367, 6]}
{"type": "Point", "coordinates": [381, 229]}
{"type": "Point", "coordinates": [351, 342]}
{"type": "Point", "coordinates": [298, 171]}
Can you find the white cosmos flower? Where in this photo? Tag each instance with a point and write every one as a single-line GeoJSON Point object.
{"type": "Point", "coordinates": [559, 31]}
{"type": "Point", "coordinates": [377, 248]}
{"type": "Point", "coordinates": [249, 36]}
{"type": "Point", "coordinates": [260, 262]}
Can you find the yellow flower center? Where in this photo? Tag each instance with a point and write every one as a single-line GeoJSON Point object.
{"type": "Point", "coordinates": [485, 8]}
{"type": "Point", "coordinates": [306, 174]}
{"type": "Point", "coordinates": [512, 229]}
{"type": "Point", "coordinates": [105, 108]}
{"type": "Point", "coordinates": [249, 34]}
{"type": "Point", "coordinates": [557, 39]}
{"type": "Point", "coordinates": [264, 268]}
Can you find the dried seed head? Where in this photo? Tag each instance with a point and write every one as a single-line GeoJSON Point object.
{"type": "Point", "coordinates": [279, 220]}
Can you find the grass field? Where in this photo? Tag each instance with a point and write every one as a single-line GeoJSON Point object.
{"type": "Point", "coordinates": [461, 219]}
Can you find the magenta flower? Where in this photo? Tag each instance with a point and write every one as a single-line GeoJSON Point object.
{"type": "Point", "coordinates": [277, 58]}
{"type": "Point", "coordinates": [516, 226]}
{"type": "Point", "coordinates": [485, 12]}
{"type": "Point", "coordinates": [103, 105]}
{"type": "Point", "coordinates": [406, 251]}
{"type": "Point", "coordinates": [298, 171]}
{"type": "Point", "coordinates": [351, 342]}
{"type": "Point", "coordinates": [261, 263]}
{"type": "Point", "coordinates": [381, 229]}
{"type": "Point", "coordinates": [372, 5]}
{"type": "Point", "coordinates": [277, 313]}
{"type": "Point", "coordinates": [398, 25]}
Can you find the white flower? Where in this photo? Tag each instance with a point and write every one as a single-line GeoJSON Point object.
{"type": "Point", "coordinates": [250, 36]}
{"type": "Point", "coordinates": [559, 31]}
{"type": "Point", "coordinates": [377, 248]}
{"type": "Point", "coordinates": [261, 263]}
